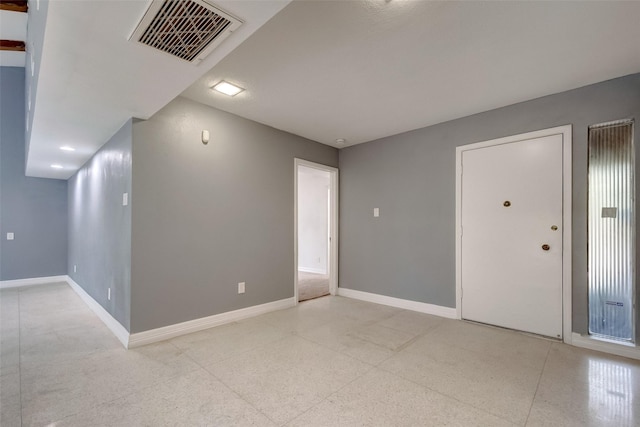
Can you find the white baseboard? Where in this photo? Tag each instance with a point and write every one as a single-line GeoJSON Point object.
{"type": "Point", "coordinates": [116, 327]}
{"type": "Point", "coordinates": [312, 270]}
{"type": "Point", "coordinates": [422, 307]}
{"type": "Point", "coordinates": [630, 351]}
{"type": "Point", "coordinates": [172, 331]}
{"type": "Point", "coordinates": [18, 283]}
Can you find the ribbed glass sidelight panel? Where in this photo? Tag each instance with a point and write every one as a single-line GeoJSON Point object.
{"type": "Point", "coordinates": [611, 230]}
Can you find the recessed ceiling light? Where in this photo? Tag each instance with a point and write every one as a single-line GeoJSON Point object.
{"type": "Point", "coordinates": [67, 148]}
{"type": "Point", "coordinates": [57, 166]}
{"type": "Point", "coordinates": [227, 88]}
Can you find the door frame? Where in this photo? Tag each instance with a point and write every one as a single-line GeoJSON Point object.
{"type": "Point", "coordinates": [566, 133]}
{"type": "Point", "coordinates": [333, 224]}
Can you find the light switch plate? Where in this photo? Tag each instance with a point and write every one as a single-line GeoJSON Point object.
{"type": "Point", "coordinates": [376, 212]}
{"type": "Point", "coordinates": [125, 199]}
{"type": "Point", "coordinates": [10, 236]}
{"type": "Point", "coordinates": [241, 288]}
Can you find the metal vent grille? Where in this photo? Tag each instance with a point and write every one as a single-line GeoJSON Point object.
{"type": "Point", "coordinates": [187, 29]}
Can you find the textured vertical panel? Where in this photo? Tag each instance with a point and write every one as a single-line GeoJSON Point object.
{"type": "Point", "coordinates": [611, 230]}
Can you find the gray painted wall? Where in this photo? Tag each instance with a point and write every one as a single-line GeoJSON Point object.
{"type": "Point", "coordinates": [100, 226]}
{"type": "Point", "coordinates": [409, 251]}
{"type": "Point", "coordinates": [206, 217]}
{"type": "Point", "coordinates": [35, 209]}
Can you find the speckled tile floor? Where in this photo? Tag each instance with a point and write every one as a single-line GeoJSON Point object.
{"type": "Point", "coordinates": [327, 362]}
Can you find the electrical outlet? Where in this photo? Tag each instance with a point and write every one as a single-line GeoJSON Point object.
{"type": "Point", "coordinates": [10, 236]}
{"type": "Point", "coordinates": [109, 294]}
{"type": "Point", "coordinates": [241, 288]}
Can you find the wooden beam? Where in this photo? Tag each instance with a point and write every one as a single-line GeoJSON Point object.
{"type": "Point", "coordinates": [13, 45]}
{"type": "Point", "coordinates": [14, 5]}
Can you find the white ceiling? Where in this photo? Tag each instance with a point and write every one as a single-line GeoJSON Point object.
{"type": "Point", "coordinates": [92, 79]}
{"type": "Point", "coordinates": [358, 70]}
{"type": "Point", "coordinates": [363, 70]}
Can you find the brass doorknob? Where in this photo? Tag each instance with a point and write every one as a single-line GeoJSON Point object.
{"type": "Point", "coordinates": [546, 247]}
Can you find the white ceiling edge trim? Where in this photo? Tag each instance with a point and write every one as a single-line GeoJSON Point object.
{"type": "Point", "coordinates": [12, 59]}
{"type": "Point", "coordinates": [13, 25]}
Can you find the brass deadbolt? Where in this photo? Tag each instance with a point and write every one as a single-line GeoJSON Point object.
{"type": "Point", "coordinates": [506, 204]}
{"type": "Point", "coordinates": [554, 227]}
{"type": "Point", "coordinates": [546, 247]}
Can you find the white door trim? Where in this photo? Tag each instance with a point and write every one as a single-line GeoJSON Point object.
{"type": "Point", "coordinates": [333, 220]}
{"type": "Point", "coordinates": [565, 131]}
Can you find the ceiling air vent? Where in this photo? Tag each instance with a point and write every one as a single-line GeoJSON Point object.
{"type": "Point", "coordinates": [187, 29]}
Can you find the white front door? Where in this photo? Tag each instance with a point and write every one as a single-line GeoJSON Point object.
{"type": "Point", "coordinates": [511, 244]}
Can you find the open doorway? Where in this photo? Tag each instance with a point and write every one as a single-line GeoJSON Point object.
{"type": "Point", "coordinates": [316, 217]}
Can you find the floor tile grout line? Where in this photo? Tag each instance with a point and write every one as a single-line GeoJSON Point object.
{"type": "Point", "coordinates": [326, 347]}
{"type": "Point", "coordinates": [371, 368]}
{"type": "Point", "coordinates": [439, 320]}
{"type": "Point", "coordinates": [20, 359]}
{"type": "Point", "coordinates": [130, 393]}
{"type": "Point", "coordinates": [538, 384]}
{"type": "Point", "coordinates": [482, 354]}
{"type": "Point", "coordinates": [297, 334]}
{"type": "Point", "coordinates": [126, 395]}
{"type": "Point", "coordinates": [227, 386]}
{"type": "Point", "coordinates": [95, 405]}
{"type": "Point", "coordinates": [293, 334]}
{"type": "Point", "coordinates": [444, 394]}
{"type": "Point", "coordinates": [240, 396]}
{"type": "Point", "coordinates": [231, 356]}
{"type": "Point", "coordinates": [372, 323]}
